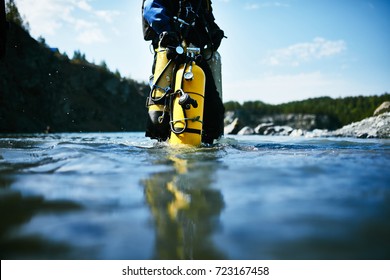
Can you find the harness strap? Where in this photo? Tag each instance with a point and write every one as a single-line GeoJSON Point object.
{"type": "Point", "coordinates": [150, 101]}
{"type": "Point", "coordinates": [194, 131]}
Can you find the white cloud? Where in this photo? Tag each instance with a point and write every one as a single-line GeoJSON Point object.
{"type": "Point", "coordinates": [47, 17]}
{"type": "Point", "coordinates": [107, 16]}
{"type": "Point", "coordinates": [81, 24]}
{"type": "Point", "coordinates": [296, 54]}
{"type": "Point", "coordinates": [83, 5]}
{"type": "Point", "coordinates": [89, 36]}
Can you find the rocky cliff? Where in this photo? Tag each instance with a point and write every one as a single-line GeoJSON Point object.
{"type": "Point", "coordinates": [41, 88]}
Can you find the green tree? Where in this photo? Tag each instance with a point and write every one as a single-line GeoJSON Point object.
{"type": "Point", "coordinates": [104, 66]}
{"type": "Point", "coordinates": [118, 74]}
{"type": "Point", "coordinates": [79, 57]}
{"type": "Point", "coordinates": [13, 15]}
{"type": "Point", "coordinates": [42, 41]}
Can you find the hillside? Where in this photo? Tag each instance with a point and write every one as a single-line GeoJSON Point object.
{"type": "Point", "coordinates": [42, 88]}
{"type": "Point", "coordinates": [322, 112]}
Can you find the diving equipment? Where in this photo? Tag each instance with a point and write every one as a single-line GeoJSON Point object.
{"type": "Point", "coordinates": [188, 102]}
{"type": "Point", "coordinates": [158, 100]}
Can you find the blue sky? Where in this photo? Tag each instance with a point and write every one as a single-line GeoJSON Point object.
{"type": "Point", "coordinates": [276, 51]}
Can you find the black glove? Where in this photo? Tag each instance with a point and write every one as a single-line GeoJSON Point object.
{"type": "Point", "coordinates": [216, 38]}
{"type": "Point", "coordinates": [169, 39]}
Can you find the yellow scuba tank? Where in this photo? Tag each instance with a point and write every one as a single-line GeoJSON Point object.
{"type": "Point", "coordinates": [187, 104]}
{"type": "Point", "coordinates": [158, 100]}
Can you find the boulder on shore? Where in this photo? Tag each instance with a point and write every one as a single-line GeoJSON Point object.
{"type": "Point", "coordinates": [246, 131]}
{"type": "Point", "coordinates": [233, 127]}
{"type": "Point", "coordinates": [373, 127]}
{"type": "Point", "coordinates": [383, 108]}
{"type": "Point", "coordinates": [261, 128]}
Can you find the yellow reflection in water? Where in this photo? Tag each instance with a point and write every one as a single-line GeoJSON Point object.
{"type": "Point", "coordinates": [185, 209]}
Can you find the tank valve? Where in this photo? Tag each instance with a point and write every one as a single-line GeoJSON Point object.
{"type": "Point", "coordinates": [186, 101]}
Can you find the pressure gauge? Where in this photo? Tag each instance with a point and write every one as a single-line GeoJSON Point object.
{"type": "Point", "coordinates": [188, 76]}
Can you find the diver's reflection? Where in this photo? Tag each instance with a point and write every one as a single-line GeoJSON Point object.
{"type": "Point", "coordinates": [185, 210]}
{"type": "Point", "coordinates": [18, 209]}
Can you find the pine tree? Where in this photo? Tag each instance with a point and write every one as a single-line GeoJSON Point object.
{"type": "Point", "coordinates": [13, 15]}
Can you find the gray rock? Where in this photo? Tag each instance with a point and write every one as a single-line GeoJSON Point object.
{"type": "Point", "coordinates": [232, 128]}
{"type": "Point", "coordinates": [373, 127]}
{"type": "Point", "coordinates": [261, 128]}
{"type": "Point", "coordinates": [383, 108]}
{"type": "Point", "coordinates": [230, 116]}
{"type": "Point", "coordinates": [302, 121]}
{"type": "Point", "coordinates": [297, 133]}
{"type": "Point", "coordinates": [246, 131]}
{"type": "Point", "coordinates": [278, 130]}
{"type": "Point", "coordinates": [317, 133]}
{"type": "Point", "coordinates": [285, 130]}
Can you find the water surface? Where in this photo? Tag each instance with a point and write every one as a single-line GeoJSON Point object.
{"type": "Point", "coordinates": [123, 196]}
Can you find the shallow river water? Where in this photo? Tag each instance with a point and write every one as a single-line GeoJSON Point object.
{"type": "Point", "coordinates": [123, 196]}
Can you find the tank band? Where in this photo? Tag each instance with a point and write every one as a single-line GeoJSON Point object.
{"type": "Point", "coordinates": [191, 130]}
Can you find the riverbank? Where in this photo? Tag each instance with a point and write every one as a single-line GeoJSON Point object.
{"type": "Point", "coordinates": [377, 126]}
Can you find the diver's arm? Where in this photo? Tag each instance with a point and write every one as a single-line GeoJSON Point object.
{"type": "Point", "coordinates": [158, 16]}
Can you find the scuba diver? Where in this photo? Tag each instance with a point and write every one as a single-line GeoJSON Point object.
{"type": "Point", "coordinates": [171, 23]}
